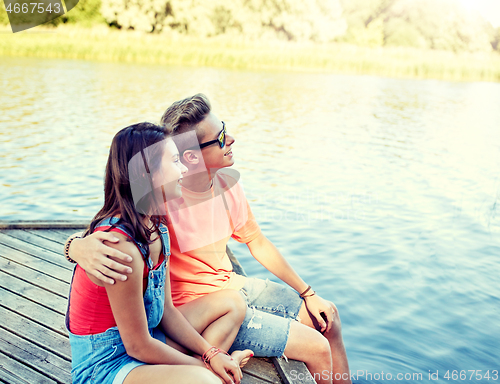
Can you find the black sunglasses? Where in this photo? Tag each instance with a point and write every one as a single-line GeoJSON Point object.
{"type": "Point", "coordinates": [221, 138]}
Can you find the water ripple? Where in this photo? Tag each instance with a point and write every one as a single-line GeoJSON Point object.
{"type": "Point", "coordinates": [382, 192]}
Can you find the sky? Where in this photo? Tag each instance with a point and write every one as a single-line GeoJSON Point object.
{"type": "Point", "coordinates": [489, 9]}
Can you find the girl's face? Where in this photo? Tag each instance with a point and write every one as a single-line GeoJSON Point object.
{"type": "Point", "coordinates": [169, 177]}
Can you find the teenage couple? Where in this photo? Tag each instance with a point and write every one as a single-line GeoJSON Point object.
{"type": "Point", "coordinates": [130, 323]}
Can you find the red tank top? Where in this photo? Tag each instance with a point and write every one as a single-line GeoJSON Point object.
{"type": "Point", "coordinates": [89, 307]}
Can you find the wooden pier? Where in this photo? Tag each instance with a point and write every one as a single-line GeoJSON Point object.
{"type": "Point", "coordinates": [34, 286]}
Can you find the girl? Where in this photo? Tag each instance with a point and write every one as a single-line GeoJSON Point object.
{"type": "Point", "coordinates": [116, 330]}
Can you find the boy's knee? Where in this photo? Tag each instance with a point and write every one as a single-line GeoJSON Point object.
{"type": "Point", "coordinates": [337, 324]}
{"type": "Point", "coordinates": [321, 348]}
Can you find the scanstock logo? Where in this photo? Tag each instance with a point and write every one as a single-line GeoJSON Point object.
{"type": "Point", "coordinates": [25, 14]}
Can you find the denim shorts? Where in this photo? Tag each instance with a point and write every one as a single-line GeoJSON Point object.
{"type": "Point", "coordinates": [102, 358]}
{"type": "Point", "coordinates": [271, 307]}
{"type": "Point", "coordinates": [107, 355]}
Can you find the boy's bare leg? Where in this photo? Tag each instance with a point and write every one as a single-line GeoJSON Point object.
{"type": "Point", "coordinates": [308, 345]}
{"type": "Point", "coordinates": [337, 354]}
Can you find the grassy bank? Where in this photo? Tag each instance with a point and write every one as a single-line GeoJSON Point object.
{"type": "Point", "coordinates": [111, 45]}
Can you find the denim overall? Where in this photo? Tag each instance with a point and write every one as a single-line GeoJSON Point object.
{"type": "Point", "coordinates": [102, 358]}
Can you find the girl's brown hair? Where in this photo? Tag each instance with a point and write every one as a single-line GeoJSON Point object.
{"type": "Point", "coordinates": [118, 198]}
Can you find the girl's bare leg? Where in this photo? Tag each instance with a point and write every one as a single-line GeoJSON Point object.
{"type": "Point", "coordinates": [216, 316]}
{"type": "Point", "coordinates": [241, 357]}
{"type": "Point", "coordinates": [174, 374]}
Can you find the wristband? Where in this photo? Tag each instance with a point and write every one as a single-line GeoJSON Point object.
{"type": "Point", "coordinates": [312, 294]}
{"type": "Point", "coordinates": [66, 248]}
{"type": "Point", "coordinates": [210, 353]}
{"type": "Point", "coordinates": [307, 290]}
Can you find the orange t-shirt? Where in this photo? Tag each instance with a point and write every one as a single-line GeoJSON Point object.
{"type": "Point", "coordinates": [200, 225]}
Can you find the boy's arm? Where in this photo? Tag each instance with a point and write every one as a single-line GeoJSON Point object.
{"type": "Point", "coordinates": [94, 256]}
{"type": "Point", "coordinates": [268, 255]}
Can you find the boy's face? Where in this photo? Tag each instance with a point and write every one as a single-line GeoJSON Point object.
{"type": "Point", "coordinates": [214, 156]}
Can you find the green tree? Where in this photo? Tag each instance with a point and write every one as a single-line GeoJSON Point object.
{"type": "Point", "coordinates": [436, 24]}
{"type": "Point", "coordinates": [495, 38]}
{"type": "Point", "coordinates": [398, 32]}
{"type": "Point", "coordinates": [444, 24]}
{"type": "Point", "coordinates": [363, 12]}
{"type": "Point", "coordinates": [365, 19]}
{"type": "Point", "coordinates": [317, 20]}
{"type": "Point", "coordinates": [4, 18]}
{"type": "Point", "coordinates": [370, 36]}
{"type": "Point", "coordinates": [86, 12]}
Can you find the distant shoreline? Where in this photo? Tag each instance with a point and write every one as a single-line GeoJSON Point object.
{"type": "Point", "coordinates": [104, 44]}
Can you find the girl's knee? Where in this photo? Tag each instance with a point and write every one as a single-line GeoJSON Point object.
{"type": "Point", "coordinates": [203, 375]}
{"type": "Point", "coordinates": [319, 351]}
{"type": "Point", "coordinates": [238, 306]}
{"type": "Point", "coordinates": [209, 378]}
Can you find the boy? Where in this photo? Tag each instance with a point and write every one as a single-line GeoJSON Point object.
{"type": "Point", "coordinates": [212, 209]}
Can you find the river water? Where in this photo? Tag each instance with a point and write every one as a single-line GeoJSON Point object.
{"type": "Point", "coordinates": [382, 193]}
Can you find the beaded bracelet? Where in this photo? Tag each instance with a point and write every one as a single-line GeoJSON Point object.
{"type": "Point", "coordinates": [66, 248]}
{"type": "Point", "coordinates": [210, 353]}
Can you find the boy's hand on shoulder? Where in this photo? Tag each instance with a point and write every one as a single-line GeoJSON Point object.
{"type": "Point", "coordinates": [322, 310]}
{"type": "Point", "coordinates": [100, 259]}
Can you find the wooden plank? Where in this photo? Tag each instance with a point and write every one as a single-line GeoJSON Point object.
{"type": "Point", "coordinates": [49, 234]}
{"type": "Point", "coordinates": [35, 333]}
{"type": "Point", "coordinates": [34, 239]}
{"type": "Point", "coordinates": [40, 252]}
{"type": "Point", "coordinates": [293, 371]}
{"type": "Point", "coordinates": [38, 295]}
{"type": "Point", "coordinates": [14, 372]}
{"type": "Point", "coordinates": [40, 265]}
{"type": "Point", "coordinates": [32, 311]}
{"type": "Point", "coordinates": [22, 224]}
{"type": "Point", "coordinates": [11, 379]}
{"type": "Point", "coordinates": [262, 369]}
{"type": "Point", "coordinates": [38, 359]}
{"type": "Point", "coordinates": [35, 249]}
{"type": "Point", "coordinates": [249, 379]}
{"type": "Point", "coordinates": [67, 232]}
{"type": "Point", "coordinates": [7, 377]}
{"type": "Point", "coordinates": [56, 235]}
{"type": "Point", "coordinates": [36, 278]}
